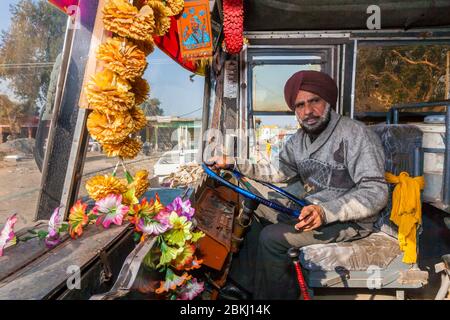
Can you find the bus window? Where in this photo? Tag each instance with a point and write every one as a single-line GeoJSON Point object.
{"type": "Point", "coordinates": [387, 75]}
{"type": "Point", "coordinates": [31, 42]}
{"type": "Point", "coordinates": [171, 137]}
{"type": "Point", "coordinates": [271, 134]}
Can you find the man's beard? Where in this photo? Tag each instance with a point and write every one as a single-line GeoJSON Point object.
{"type": "Point", "coordinates": [320, 125]}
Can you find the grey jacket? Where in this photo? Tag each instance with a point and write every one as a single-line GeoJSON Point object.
{"type": "Point", "coordinates": [342, 170]}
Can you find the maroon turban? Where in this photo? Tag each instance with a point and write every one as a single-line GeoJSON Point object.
{"type": "Point", "coordinates": [312, 81]}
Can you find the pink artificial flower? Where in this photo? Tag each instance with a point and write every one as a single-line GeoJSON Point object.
{"type": "Point", "coordinates": [182, 208]}
{"type": "Point", "coordinates": [191, 289]}
{"type": "Point", "coordinates": [110, 210]}
{"type": "Point", "coordinates": [7, 234]}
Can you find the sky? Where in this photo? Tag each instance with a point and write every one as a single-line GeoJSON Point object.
{"type": "Point", "coordinates": [169, 82]}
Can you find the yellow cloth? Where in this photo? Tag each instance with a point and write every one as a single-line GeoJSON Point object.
{"type": "Point", "coordinates": [406, 211]}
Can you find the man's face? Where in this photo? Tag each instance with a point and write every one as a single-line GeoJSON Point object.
{"type": "Point", "coordinates": [313, 113]}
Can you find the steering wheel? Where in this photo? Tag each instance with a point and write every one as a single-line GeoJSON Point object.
{"type": "Point", "coordinates": [258, 199]}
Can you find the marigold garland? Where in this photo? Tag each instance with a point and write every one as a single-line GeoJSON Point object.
{"type": "Point", "coordinates": [123, 57]}
{"type": "Point", "coordinates": [174, 6]}
{"type": "Point", "coordinates": [110, 128]}
{"type": "Point", "coordinates": [99, 187]}
{"type": "Point", "coordinates": [141, 183]}
{"type": "Point", "coordinates": [108, 93]}
{"type": "Point", "coordinates": [124, 19]}
{"type": "Point", "coordinates": [127, 149]}
{"type": "Point", "coordinates": [139, 119]}
{"type": "Point", "coordinates": [141, 90]}
{"type": "Point", "coordinates": [161, 14]}
{"type": "Point", "coordinates": [147, 46]}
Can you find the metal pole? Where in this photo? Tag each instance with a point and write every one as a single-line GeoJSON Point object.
{"type": "Point", "coordinates": [446, 187]}
{"type": "Point", "coordinates": [355, 53]}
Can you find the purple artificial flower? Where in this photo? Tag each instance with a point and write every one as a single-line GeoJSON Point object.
{"type": "Point", "coordinates": [54, 224]}
{"type": "Point", "coordinates": [181, 208]}
{"type": "Point", "coordinates": [152, 226]}
{"type": "Point", "coordinates": [110, 210]}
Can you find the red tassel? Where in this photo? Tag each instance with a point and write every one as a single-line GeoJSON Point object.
{"type": "Point", "coordinates": [302, 282]}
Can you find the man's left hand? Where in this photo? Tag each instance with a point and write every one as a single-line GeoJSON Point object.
{"type": "Point", "coordinates": [311, 217]}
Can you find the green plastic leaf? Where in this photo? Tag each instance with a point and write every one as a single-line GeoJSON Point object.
{"type": "Point", "coordinates": [197, 235]}
{"type": "Point", "coordinates": [42, 234]}
{"type": "Point", "coordinates": [32, 231]}
{"type": "Point", "coordinates": [130, 195]}
{"type": "Point", "coordinates": [150, 260]}
{"type": "Point", "coordinates": [168, 255]}
{"type": "Point", "coordinates": [129, 177]}
{"type": "Point", "coordinates": [64, 227]}
{"type": "Point", "coordinates": [136, 237]}
{"type": "Point", "coordinates": [176, 237]}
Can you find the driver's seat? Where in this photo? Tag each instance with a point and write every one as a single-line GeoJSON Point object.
{"type": "Point", "coordinates": [374, 261]}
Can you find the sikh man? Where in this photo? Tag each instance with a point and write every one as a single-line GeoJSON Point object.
{"type": "Point", "coordinates": [340, 163]}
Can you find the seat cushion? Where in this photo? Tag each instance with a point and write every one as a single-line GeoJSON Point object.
{"type": "Point", "coordinates": [377, 249]}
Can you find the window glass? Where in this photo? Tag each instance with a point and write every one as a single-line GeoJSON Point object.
{"type": "Point", "coordinates": [271, 134]}
{"type": "Point", "coordinates": [389, 75]}
{"type": "Point", "coordinates": [268, 85]}
{"type": "Point", "coordinates": [31, 41]}
{"type": "Point", "coordinates": [172, 135]}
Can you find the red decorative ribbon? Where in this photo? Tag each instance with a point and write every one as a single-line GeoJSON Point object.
{"type": "Point", "coordinates": [233, 25]}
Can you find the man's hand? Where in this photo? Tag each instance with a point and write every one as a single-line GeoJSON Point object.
{"type": "Point", "coordinates": [310, 218]}
{"type": "Point", "coordinates": [220, 162]}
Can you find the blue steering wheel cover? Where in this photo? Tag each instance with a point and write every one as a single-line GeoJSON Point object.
{"type": "Point", "coordinates": [300, 202]}
{"type": "Point", "coordinates": [249, 195]}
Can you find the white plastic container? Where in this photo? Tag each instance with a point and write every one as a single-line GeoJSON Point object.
{"type": "Point", "coordinates": [433, 144]}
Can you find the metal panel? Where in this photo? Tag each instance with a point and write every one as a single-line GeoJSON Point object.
{"type": "Point", "coordinates": [67, 119]}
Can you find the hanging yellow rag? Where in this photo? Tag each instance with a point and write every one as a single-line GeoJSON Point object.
{"type": "Point", "coordinates": [406, 211]}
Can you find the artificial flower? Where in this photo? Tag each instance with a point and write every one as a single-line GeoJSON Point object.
{"type": "Point", "coordinates": [113, 128]}
{"type": "Point", "coordinates": [182, 208]}
{"type": "Point", "coordinates": [108, 93]}
{"type": "Point", "coordinates": [129, 198]}
{"type": "Point", "coordinates": [191, 289]}
{"type": "Point", "coordinates": [152, 226]}
{"type": "Point", "coordinates": [139, 119]}
{"type": "Point", "coordinates": [127, 149]}
{"type": "Point", "coordinates": [123, 57]}
{"type": "Point", "coordinates": [180, 231]}
{"type": "Point", "coordinates": [121, 17]}
{"type": "Point", "coordinates": [141, 90]}
{"type": "Point", "coordinates": [168, 254]}
{"type": "Point", "coordinates": [197, 235]}
{"type": "Point", "coordinates": [185, 257]}
{"type": "Point", "coordinates": [7, 234]}
{"type": "Point", "coordinates": [110, 210]}
{"type": "Point", "coordinates": [99, 187]}
{"type": "Point", "coordinates": [77, 219]}
{"type": "Point", "coordinates": [161, 15]}
{"type": "Point", "coordinates": [172, 281]}
{"type": "Point", "coordinates": [141, 183]}
{"type": "Point", "coordinates": [144, 209]}
{"type": "Point", "coordinates": [54, 225]}
{"type": "Point", "coordinates": [158, 205]}
{"type": "Point", "coordinates": [195, 264]}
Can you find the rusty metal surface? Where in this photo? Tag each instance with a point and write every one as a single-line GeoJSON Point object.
{"type": "Point", "coordinates": [128, 273]}
{"type": "Point", "coordinates": [215, 218]}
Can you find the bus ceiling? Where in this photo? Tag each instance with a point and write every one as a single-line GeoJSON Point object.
{"type": "Point", "coordinates": [308, 15]}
